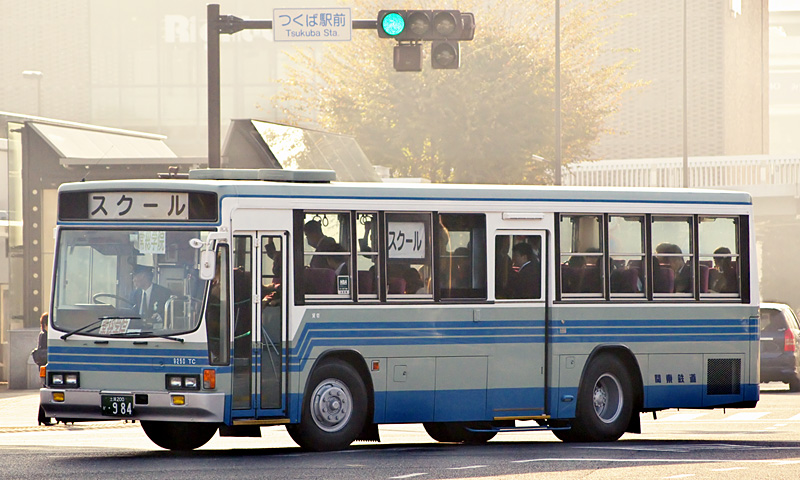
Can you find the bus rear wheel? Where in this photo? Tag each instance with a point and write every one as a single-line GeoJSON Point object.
{"type": "Point", "coordinates": [334, 409]}
{"type": "Point", "coordinates": [179, 435]}
{"type": "Point", "coordinates": [452, 432]}
{"type": "Point", "coordinates": [605, 403]}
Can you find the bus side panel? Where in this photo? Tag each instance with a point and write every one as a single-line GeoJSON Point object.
{"type": "Point", "coordinates": [697, 355]}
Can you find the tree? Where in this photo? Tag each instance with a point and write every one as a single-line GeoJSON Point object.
{"type": "Point", "coordinates": [487, 122]}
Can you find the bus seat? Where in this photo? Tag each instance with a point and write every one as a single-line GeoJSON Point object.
{"type": "Point", "coordinates": [366, 284]}
{"type": "Point", "coordinates": [319, 280]}
{"type": "Point", "coordinates": [625, 281]}
{"type": "Point", "coordinates": [591, 279]}
{"type": "Point", "coordinates": [397, 285]}
{"type": "Point", "coordinates": [704, 271]}
{"type": "Point", "coordinates": [664, 281]}
{"type": "Point", "coordinates": [570, 279]}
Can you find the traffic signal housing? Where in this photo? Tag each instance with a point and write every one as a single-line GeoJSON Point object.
{"type": "Point", "coordinates": [419, 25]}
{"type": "Point", "coordinates": [445, 54]}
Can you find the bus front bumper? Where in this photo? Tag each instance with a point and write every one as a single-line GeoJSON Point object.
{"type": "Point", "coordinates": [85, 405]}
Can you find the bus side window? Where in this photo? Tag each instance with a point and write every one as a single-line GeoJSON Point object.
{"type": "Point", "coordinates": [673, 255]}
{"type": "Point", "coordinates": [367, 259]}
{"type": "Point", "coordinates": [327, 256]}
{"type": "Point", "coordinates": [582, 268]}
{"type": "Point", "coordinates": [409, 256]}
{"type": "Point", "coordinates": [626, 244]}
{"type": "Point", "coordinates": [461, 256]}
{"type": "Point", "coordinates": [720, 260]}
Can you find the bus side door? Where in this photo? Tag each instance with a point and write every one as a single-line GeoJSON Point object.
{"type": "Point", "coordinates": [517, 373]}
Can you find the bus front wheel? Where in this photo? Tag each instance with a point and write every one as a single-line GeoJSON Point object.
{"type": "Point", "coordinates": [334, 409]}
{"type": "Point", "coordinates": [179, 435]}
{"type": "Point", "coordinates": [605, 402]}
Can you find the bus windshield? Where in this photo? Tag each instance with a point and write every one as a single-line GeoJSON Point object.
{"type": "Point", "coordinates": [127, 283]}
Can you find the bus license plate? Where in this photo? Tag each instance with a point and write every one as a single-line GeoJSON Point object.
{"type": "Point", "coordinates": [117, 405]}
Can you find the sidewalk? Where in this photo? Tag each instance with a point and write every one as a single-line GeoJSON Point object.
{"type": "Point", "coordinates": [18, 408]}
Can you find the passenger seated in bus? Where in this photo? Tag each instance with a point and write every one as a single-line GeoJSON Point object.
{"type": "Point", "coordinates": [337, 263]}
{"type": "Point", "coordinates": [526, 283]}
{"type": "Point", "coordinates": [313, 232]}
{"type": "Point", "coordinates": [502, 266]}
{"type": "Point", "coordinates": [683, 272]}
{"type": "Point", "coordinates": [414, 283]}
{"type": "Point", "coordinates": [723, 278]}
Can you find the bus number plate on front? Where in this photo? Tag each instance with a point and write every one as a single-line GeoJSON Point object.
{"type": "Point", "coordinates": [117, 405]}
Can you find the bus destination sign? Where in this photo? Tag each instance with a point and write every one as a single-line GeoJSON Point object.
{"type": "Point", "coordinates": [138, 206]}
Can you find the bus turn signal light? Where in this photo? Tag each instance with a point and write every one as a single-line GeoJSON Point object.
{"type": "Point", "coordinates": [209, 379]}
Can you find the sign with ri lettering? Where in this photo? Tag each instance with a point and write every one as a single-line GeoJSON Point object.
{"type": "Point", "coordinates": [312, 24]}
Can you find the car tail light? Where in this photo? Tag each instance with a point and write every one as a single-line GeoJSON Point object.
{"type": "Point", "coordinates": [788, 341]}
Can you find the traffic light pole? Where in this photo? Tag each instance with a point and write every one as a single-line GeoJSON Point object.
{"type": "Point", "coordinates": [229, 24]}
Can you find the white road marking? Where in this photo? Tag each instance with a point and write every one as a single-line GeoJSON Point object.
{"type": "Point", "coordinates": [410, 475]}
{"type": "Point", "coordinates": [795, 418]}
{"type": "Point", "coordinates": [685, 475]}
{"type": "Point", "coordinates": [467, 468]}
{"type": "Point", "coordinates": [683, 417]}
{"type": "Point", "coordinates": [747, 416]}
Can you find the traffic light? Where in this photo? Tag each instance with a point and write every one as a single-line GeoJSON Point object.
{"type": "Point", "coordinates": [423, 25]}
{"type": "Point", "coordinates": [408, 57]}
{"type": "Point", "coordinates": [445, 28]}
{"type": "Point", "coordinates": [445, 54]}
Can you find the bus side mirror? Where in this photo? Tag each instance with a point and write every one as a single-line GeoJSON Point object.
{"type": "Point", "coordinates": [208, 261]}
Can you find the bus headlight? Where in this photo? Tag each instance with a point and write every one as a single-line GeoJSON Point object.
{"type": "Point", "coordinates": [183, 382]}
{"type": "Point", "coordinates": [64, 379]}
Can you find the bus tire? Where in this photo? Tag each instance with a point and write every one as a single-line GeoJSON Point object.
{"type": "Point", "coordinates": [605, 402]}
{"type": "Point", "coordinates": [452, 432]}
{"type": "Point", "coordinates": [181, 436]}
{"type": "Point", "coordinates": [334, 409]}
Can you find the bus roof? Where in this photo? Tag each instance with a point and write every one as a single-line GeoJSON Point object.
{"type": "Point", "coordinates": [421, 191]}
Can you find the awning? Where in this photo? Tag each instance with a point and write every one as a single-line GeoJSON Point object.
{"type": "Point", "coordinates": [259, 144]}
{"type": "Point", "coordinates": [82, 145]}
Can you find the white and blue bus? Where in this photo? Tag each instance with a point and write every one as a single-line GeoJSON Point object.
{"type": "Point", "coordinates": [236, 299]}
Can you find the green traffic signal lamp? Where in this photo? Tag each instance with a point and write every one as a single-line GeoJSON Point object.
{"type": "Point", "coordinates": [392, 24]}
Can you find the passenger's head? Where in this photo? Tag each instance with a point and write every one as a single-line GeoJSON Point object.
{"type": "Point", "coordinates": [721, 260]}
{"type": "Point", "coordinates": [668, 254]}
{"type": "Point", "coordinates": [44, 320]}
{"type": "Point", "coordinates": [313, 232]}
{"type": "Point", "coordinates": [521, 254]}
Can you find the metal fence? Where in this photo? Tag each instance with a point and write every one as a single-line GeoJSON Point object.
{"type": "Point", "coordinates": [704, 172]}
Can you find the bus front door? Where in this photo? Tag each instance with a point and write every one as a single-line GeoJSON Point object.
{"type": "Point", "coordinates": [259, 355]}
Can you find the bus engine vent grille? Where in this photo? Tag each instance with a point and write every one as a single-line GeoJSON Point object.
{"type": "Point", "coordinates": [724, 376]}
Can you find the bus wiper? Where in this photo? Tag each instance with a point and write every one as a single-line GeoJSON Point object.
{"type": "Point", "coordinates": [177, 339]}
{"type": "Point", "coordinates": [94, 324]}
{"type": "Point", "coordinates": [141, 334]}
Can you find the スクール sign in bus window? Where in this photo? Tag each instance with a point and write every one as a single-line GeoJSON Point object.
{"type": "Point", "coordinates": [405, 239]}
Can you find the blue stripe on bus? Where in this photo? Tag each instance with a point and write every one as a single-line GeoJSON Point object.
{"type": "Point", "coordinates": [142, 351]}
